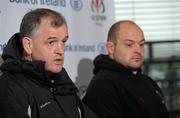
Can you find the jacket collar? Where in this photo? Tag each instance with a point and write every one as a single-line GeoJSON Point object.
{"type": "Point", "coordinates": [104, 62]}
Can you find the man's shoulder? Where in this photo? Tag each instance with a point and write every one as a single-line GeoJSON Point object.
{"type": "Point", "coordinates": [147, 78]}
{"type": "Point", "coordinates": [9, 77]}
{"type": "Point", "coordinates": [106, 78]}
{"type": "Point", "coordinates": [14, 81]}
{"type": "Point", "coordinates": [6, 78]}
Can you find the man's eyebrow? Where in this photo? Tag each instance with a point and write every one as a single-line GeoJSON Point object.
{"type": "Point", "coordinates": [125, 40]}
{"type": "Point", "coordinates": [49, 38]}
{"type": "Point", "coordinates": [133, 40]}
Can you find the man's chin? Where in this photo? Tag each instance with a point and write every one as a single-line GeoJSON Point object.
{"type": "Point", "coordinates": [135, 68]}
{"type": "Point", "coordinates": [55, 70]}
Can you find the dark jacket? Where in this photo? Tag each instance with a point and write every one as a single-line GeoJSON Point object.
{"type": "Point", "coordinates": [28, 91]}
{"type": "Point", "coordinates": [115, 92]}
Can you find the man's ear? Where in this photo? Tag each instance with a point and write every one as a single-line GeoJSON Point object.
{"type": "Point", "coordinates": [27, 45]}
{"type": "Point", "coordinates": [110, 47]}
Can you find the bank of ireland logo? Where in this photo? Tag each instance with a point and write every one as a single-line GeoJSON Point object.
{"type": "Point", "coordinates": [101, 48]}
{"type": "Point", "coordinates": [77, 5]}
{"type": "Point", "coordinates": [97, 6]}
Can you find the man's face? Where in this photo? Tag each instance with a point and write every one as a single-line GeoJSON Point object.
{"type": "Point", "coordinates": [48, 45]}
{"type": "Point", "coordinates": [129, 49]}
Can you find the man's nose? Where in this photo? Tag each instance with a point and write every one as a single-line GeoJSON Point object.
{"type": "Point", "coordinates": [59, 49]}
{"type": "Point", "coordinates": [137, 48]}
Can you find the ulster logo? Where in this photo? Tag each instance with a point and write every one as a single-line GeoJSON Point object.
{"type": "Point", "coordinates": [98, 12]}
{"type": "Point", "coordinates": [97, 6]}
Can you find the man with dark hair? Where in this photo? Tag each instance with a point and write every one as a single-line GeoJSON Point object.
{"type": "Point", "coordinates": [118, 88]}
{"type": "Point", "coordinates": [34, 83]}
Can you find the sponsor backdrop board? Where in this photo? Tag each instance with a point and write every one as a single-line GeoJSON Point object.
{"type": "Point", "coordinates": [88, 22]}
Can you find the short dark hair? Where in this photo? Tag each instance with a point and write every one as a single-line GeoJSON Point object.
{"type": "Point", "coordinates": [114, 29]}
{"type": "Point", "coordinates": [32, 20]}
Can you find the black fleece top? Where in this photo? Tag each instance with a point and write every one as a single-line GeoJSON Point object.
{"type": "Point", "coordinates": [115, 92]}
{"type": "Point", "coordinates": [28, 91]}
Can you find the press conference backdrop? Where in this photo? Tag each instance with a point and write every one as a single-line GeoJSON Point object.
{"type": "Point", "coordinates": [88, 22]}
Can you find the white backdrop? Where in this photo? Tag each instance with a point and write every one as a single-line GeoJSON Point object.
{"type": "Point", "coordinates": [88, 22]}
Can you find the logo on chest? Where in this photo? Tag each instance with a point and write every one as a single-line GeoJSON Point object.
{"type": "Point", "coordinates": [45, 104]}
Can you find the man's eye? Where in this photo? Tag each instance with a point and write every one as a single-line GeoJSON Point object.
{"type": "Point", "coordinates": [141, 44]}
{"type": "Point", "coordinates": [50, 43]}
{"type": "Point", "coordinates": [64, 42]}
{"type": "Point", "coordinates": [128, 44]}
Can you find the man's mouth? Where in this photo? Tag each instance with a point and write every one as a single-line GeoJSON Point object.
{"type": "Point", "coordinates": [58, 61]}
{"type": "Point", "coordinates": [137, 58]}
